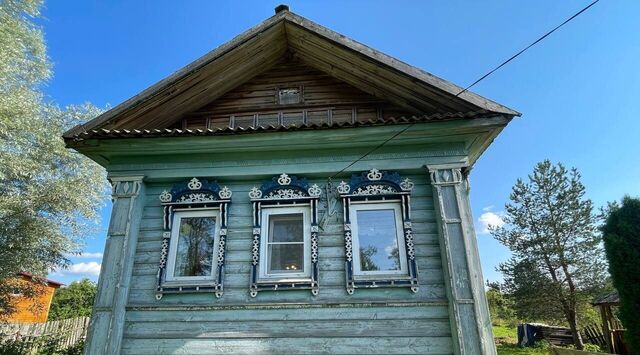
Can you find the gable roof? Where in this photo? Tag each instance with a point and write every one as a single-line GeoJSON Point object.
{"type": "Point", "coordinates": [263, 46]}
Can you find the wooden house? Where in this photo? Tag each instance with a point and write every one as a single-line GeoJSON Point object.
{"type": "Point", "coordinates": [33, 309]}
{"type": "Point", "coordinates": [252, 214]}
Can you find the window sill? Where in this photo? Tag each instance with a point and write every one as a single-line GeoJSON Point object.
{"type": "Point", "coordinates": [283, 280]}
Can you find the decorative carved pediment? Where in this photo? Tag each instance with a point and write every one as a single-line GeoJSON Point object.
{"type": "Point", "coordinates": [375, 182]}
{"type": "Point", "coordinates": [285, 187]}
{"type": "Point", "coordinates": [195, 191]}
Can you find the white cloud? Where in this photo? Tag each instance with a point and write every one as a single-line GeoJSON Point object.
{"type": "Point", "coordinates": [489, 219]}
{"type": "Point", "coordinates": [89, 256]}
{"type": "Point", "coordinates": [91, 268]}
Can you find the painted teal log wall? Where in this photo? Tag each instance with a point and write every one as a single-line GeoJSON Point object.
{"type": "Point", "coordinates": [370, 321]}
{"type": "Point", "coordinates": [383, 321]}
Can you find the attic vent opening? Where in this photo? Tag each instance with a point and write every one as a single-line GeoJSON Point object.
{"type": "Point", "coordinates": [289, 96]}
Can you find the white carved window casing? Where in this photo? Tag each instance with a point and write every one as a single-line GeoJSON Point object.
{"type": "Point", "coordinates": [193, 247]}
{"type": "Point", "coordinates": [379, 246]}
{"type": "Point", "coordinates": [285, 235]}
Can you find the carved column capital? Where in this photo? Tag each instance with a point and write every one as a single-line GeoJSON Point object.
{"type": "Point", "coordinates": [125, 186]}
{"type": "Point", "coordinates": [445, 175]}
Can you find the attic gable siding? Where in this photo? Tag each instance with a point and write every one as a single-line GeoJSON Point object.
{"type": "Point", "coordinates": [324, 100]}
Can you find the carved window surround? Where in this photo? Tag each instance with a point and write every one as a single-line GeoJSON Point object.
{"type": "Point", "coordinates": [194, 195]}
{"type": "Point", "coordinates": [284, 191]}
{"type": "Point", "coordinates": [381, 187]}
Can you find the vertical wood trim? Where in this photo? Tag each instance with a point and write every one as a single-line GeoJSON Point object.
{"type": "Point", "coordinates": [470, 321]}
{"type": "Point", "coordinates": [107, 323]}
{"type": "Point", "coordinates": [483, 318]}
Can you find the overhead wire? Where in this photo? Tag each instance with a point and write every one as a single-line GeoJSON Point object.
{"type": "Point", "coordinates": [540, 39]}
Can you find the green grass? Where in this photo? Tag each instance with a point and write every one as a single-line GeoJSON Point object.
{"type": "Point", "coordinates": [500, 331]}
{"type": "Point", "coordinates": [507, 337]}
{"type": "Point", "coordinates": [513, 349]}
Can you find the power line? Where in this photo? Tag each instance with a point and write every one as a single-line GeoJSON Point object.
{"type": "Point", "coordinates": [473, 84]}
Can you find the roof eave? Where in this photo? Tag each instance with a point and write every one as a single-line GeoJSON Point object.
{"type": "Point", "coordinates": [372, 54]}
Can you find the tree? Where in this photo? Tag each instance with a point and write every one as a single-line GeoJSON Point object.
{"type": "Point", "coordinates": [622, 244]}
{"type": "Point", "coordinates": [75, 300]}
{"type": "Point", "coordinates": [500, 305]}
{"type": "Point", "coordinates": [48, 195]}
{"type": "Point", "coordinates": [557, 262]}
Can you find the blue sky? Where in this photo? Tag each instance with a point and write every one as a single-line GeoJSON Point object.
{"type": "Point", "coordinates": [578, 90]}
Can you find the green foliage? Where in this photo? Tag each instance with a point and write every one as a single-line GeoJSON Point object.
{"type": "Point", "coordinates": [45, 345]}
{"type": "Point", "coordinates": [513, 349]}
{"type": "Point", "coordinates": [75, 300]}
{"type": "Point", "coordinates": [622, 244]}
{"type": "Point", "coordinates": [557, 262]}
{"type": "Point", "coordinates": [501, 306]}
{"type": "Point", "coordinates": [49, 195]}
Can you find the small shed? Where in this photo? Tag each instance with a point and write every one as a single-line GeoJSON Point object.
{"type": "Point", "coordinates": [611, 326]}
{"type": "Point", "coordinates": [33, 310]}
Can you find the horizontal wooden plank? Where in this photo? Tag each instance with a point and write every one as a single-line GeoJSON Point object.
{"type": "Point", "coordinates": [379, 345]}
{"type": "Point", "coordinates": [328, 264]}
{"type": "Point", "coordinates": [426, 292]}
{"type": "Point", "coordinates": [283, 314]}
{"type": "Point", "coordinates": [309, 328]}
{"type": "Point", "coordinates": [327, 279]}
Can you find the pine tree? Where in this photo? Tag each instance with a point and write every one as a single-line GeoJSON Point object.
{"type": "Point", "coordinates": [557, 262]}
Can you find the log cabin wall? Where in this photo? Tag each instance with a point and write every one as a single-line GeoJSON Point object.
{"type": "Point", "coordinates": [323, 100]}
{"type": "Point", "coordinates": [371, 321]}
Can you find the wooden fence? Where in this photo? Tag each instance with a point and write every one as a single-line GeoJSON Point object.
{"type": "Point", "coordinates": [61, 333]}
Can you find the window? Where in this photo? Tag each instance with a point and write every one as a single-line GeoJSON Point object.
{"type": "Point", "coordinates": [289, 96]}
{"type": "Point", "coordinates": [192, 254]}
{"type": "Point", "coordinates": [284, 251]}
{"type": "Point", "coordinates": [192, 246]}
{"type": "Point", "coordinates": [285, 237]}
{"type": "Point", "coordinates": [378, 237]}
{"type": "Point", "coordinates": [378, 240]}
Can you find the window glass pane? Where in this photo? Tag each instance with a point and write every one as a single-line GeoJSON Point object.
{"type": "Point", "coordinates": [378, 240]}
{"type": "Point", "coordinates": [286, 258]}
{"type": "Point", "coordinates": [195, 246]}
{"type": "Point", "coordinates": [286, 228]}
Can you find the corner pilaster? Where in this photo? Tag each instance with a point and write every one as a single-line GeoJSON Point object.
{"type": "Point", "coordinates": [469, 312]}
{"type": "Point", "coordinates": [107, 321]}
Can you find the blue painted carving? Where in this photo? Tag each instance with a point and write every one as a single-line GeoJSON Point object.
{"type": "Point", "coordinates": [195, 193]}
{"type": "Point", "coordinates": [284, 189]}
{"type": "Point", "coordinates": [379, 185]}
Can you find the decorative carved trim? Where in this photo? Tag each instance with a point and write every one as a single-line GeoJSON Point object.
{"type": "Point", "coordinates": [284, 179]}
{"type": "Point", "coordinates": [125, 187]}
{"type": "Point", "coordinates": [375, 182]}
{"type": "Point", "coordinates": [196, 193]}
{"type": "Point", "coordinates": [314, 190]}
{"type": "Point", "coordinates": [343, 188]}
{"type": "Point", "coordinates": [194, 184]}
{"type": "Point", "coordinates": [283, 189]}
{"type": "Point", "coordinates": [380, 185]}
{"type": "Point", "coordinates": [255, 193]}
{"type": "Point", "coordinates": [225, 193]}
{"type": "Point", "coordinates": [445, 176]}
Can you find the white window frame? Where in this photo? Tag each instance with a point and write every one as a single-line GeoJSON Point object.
{"type": "Point", "coordinates": [173, 246]}
{"type": "Point", "coordinates": [353, 217]}
{"type": "Point", "coordinates": [264, 239]}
